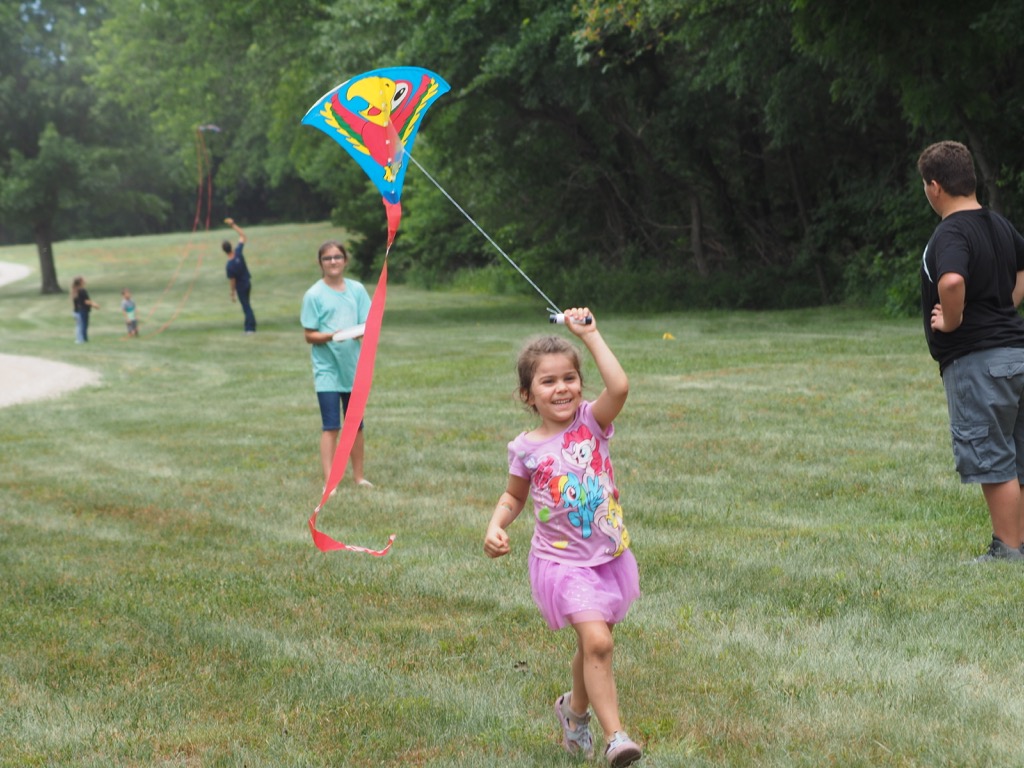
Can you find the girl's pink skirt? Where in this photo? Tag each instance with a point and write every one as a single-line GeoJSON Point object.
{"type": "Point", "coordinates": [570, 594]}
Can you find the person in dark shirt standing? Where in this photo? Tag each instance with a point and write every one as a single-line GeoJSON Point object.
{"type": "Point", "coordinates": [238, 275]}
{"type": "Point", "coordinates": [81, 305]}
{"type": "Point", "coordinates": [972, 281]}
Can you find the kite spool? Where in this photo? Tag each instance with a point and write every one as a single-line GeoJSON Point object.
{"type": "Point", "coordinates": [560, 320]}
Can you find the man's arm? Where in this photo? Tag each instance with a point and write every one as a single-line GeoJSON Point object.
{"type": "Point", "coordinates": [231, 223]}
{"type": "Point", "coordinates": [948, 314]}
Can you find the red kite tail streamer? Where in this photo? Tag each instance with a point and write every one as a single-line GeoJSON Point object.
{"type": "Point", "coordinates": [353, 417]}
{"type": "Point", "coordinates": [394, 214]}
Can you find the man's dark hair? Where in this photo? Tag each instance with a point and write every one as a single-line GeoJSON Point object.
{"type": "Point", "coordinates": [949, 163]}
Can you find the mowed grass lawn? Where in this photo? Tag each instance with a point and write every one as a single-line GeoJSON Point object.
{"type": "Point", "coordinates": [786, 479]}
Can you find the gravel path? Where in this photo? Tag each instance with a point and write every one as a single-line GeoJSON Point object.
{"type": "Point", "coordinates": [24, 379]}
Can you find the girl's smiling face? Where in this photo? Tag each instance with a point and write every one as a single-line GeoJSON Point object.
{"type": "Point", "coordinates": [556, 390]}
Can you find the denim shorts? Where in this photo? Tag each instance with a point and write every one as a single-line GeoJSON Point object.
{"type": "Point", "coordinates": [332, 406]}
{"type": "Point", "coordinates": [985, 398]}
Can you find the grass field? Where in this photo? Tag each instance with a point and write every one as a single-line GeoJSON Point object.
{"type": "Point", "coordinates": [786, 479]}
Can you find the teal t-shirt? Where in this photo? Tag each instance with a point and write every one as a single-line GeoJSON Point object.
{"type": "Point", "coordinates": [327, 310]}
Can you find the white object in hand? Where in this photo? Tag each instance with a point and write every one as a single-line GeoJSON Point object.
{"type": "Point", "coordinates": [351, 332]}
{"type": "Point", "coordinates": [560, 320]}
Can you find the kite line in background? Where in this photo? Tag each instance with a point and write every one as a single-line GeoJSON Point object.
{"type": "Point", "coordinates": [204, 189]}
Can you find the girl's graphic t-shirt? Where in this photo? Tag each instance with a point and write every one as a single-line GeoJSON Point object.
{"type": "Point", "coordinates": [575, 501]}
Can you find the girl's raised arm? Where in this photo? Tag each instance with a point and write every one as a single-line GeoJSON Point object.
{"type": "Point", "coordinates": [616, 384]}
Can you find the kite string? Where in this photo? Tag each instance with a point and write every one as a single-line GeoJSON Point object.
{"type": "Point", "coordinates": [184, 298]}
{"type": "Point", "coordinates": [204, 187]}
{"type": "Point", "coordinates": [552, 307]}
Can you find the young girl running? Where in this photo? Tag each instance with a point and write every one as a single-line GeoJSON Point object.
{"type": "Point", "coordinates": [581, 570]}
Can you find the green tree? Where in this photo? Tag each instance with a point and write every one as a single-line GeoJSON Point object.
{"type": "Point", "coordinates": [242, 66]}
{"type": "Point", "coordinates": [43, 102]}
{"type": "Point", "coordinates": [647, 140]}
{"type": "Point", "coordinates": [66, 163]}
{"type": "Point", "coordinates": [947, 70]}
{"type": "Point", "coordinates": [954, 68]}
{"type": "Point", "coordinates": [656, 153]}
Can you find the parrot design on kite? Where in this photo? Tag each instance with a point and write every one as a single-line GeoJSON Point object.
{"type": "Point", "coordinates": [375, 117]}
{"type": "Point", "coordinates": [379, 129]}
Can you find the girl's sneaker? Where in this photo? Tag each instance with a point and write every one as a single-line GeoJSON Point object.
{"type": "Point", "coordinates": [622, 750]}
{"type": "Point", "coordinates": [575, 728]}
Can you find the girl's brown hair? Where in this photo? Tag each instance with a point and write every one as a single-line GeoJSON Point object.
{"type": "Point", "coordinates": [331, 244]}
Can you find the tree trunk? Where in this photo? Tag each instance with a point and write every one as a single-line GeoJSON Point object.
{"type": "Point", "coordinates": [805, 224]}
{"type": "Point", "coordinates": [697, 236]}
{"type": "Point", "coordinates": [989, 177]}
{"type": "Point", "coordinates": [47, 269]}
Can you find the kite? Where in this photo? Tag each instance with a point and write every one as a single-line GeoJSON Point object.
{"type": "Point", "coordinates": [204, 168]}
{"type": "Point", "coordinates": [375, 117]}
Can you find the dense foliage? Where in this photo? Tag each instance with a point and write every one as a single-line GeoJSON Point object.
{"type": "Point", "coordinates": [635, 153]}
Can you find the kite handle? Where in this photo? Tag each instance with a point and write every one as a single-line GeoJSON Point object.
{"type": "Point", "coordinates": [560, 320]}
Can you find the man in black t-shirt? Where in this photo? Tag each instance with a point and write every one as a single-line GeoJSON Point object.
{"type": "Point", "coordinates": [972, 281]}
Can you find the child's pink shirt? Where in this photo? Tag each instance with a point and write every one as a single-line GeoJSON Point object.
{"type": "Point", "coordinates": [575, 501]}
